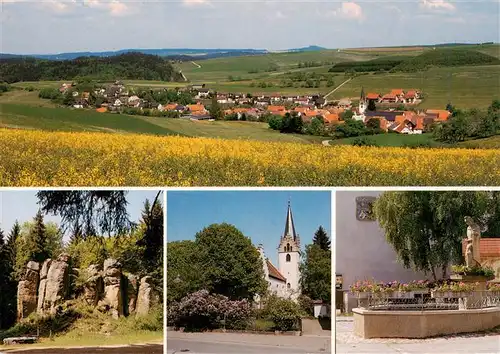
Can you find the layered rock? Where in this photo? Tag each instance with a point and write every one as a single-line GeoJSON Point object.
{"type": "Point", "coordinates": [147, 297]}
{"type": "Point", "coordinates": [27, 290]}
{"type": "Point", "coordinates": [113, 295]}
{"type": "Point", "coordinates": [57, 285]}
{"type": "Point", "coordinates": [94, 286]}
{"type": "Point", "coordinates": [43, 284]}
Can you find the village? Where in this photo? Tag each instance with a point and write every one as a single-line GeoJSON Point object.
{"type": "Point", "coordinates": [395, 111]}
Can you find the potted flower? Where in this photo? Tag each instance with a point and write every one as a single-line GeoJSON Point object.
{"type": "Point", "coordinates": [361, 289]}
{"type": "Point", "coordinates": [454, 290]}
{"type": "Point", "coordinates": [408, 290]}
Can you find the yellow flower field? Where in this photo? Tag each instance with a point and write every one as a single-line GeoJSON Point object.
{"type": "Point", "coordinates": [37, 158]}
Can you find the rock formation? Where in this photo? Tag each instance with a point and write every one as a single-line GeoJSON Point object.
{"type": "Point", "coordinates": [27, 291]}
{"type": "Point", "coordinates": [132, 290]}
{"type": "Point", "coordinates": [44, 287]}
{"type": "Point", "coordinates": [147, 297]}
{"type": "Point", "coordinates": [43, 284]}
{"type": "Point", "coordinates": [56, 289]}
{"type": "Point", "coordinates": [94, 286]}
{"type": "Point", "coordinates": [113, 295]}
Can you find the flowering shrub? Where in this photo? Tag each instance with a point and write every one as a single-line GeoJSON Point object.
{"type": "Point", "coordinates": [202, 310]}
{"type": "Point", "coordinates": [284, 313]}
{"type": "Point", "coordinates": [456, 287]}
{"type": "Point", "coordinates": [414, 285]}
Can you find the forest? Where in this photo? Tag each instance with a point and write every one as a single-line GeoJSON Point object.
{"type": "Point", "coordinates": [131, 66]}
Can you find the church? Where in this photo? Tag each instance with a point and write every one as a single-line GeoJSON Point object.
{"type": "Point", "coordinates": [284, 279]}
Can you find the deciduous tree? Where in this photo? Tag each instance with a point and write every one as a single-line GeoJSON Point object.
{"type": "Point", "coordinates": [426, 228]}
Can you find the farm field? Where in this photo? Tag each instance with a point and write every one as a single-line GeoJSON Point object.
{"type": "Point", "coordinates": [29, 116]}
{"type": "Point", "coordinates": [100, 159]}
{"type": "Point", "coordinates": [474, 86]}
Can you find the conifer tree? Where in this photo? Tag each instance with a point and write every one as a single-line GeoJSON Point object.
{"type": "Point", "coordinates": [8, 289]}
{"type": "Point", "coordinates": [321, 239]}
{"type": "Point", "coordinates": [37, 240]}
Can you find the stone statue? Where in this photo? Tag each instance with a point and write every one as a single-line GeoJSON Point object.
{"type": "Point", "coordinates": [473, 243]}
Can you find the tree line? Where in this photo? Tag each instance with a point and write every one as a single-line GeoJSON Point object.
{"type": "Point", "coordinates": [132, 66]}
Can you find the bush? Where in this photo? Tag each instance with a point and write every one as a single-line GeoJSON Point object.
{"type": "Point", "coordinates": [364, 142]}
{"type": "Point", "coordinates": [49, 93]}
{"type": "Point", "coordinates": [285, 313]}
{"type": "Point", "coordinates": [306, 305]}
{"type": "Point", "coordinates": [202, 310]}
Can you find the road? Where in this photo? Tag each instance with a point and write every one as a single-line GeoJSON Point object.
{"type": "Point", "coordinates": [242, 343]}
{"type": "Point", "coordinates": [336, 88]}
{"type": "Point", "coordinates": [198, 65]}
{"type": "Point", "coordinates": [347, 342]}
{"type": "Point", "coordinates": [133, 349]}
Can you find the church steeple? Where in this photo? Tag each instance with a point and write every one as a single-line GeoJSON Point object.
{"type": "Point", "coordinates": [362, 97]}
{"type": "Point", "coordinates": [290, 237]}
{"type": "Point", "coordinates": [289, 225]}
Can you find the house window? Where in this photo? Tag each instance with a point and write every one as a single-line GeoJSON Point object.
{"type": "Point", "coordinates": [288, 285]}
{"type": "Point", "coordinates": [288, 258]}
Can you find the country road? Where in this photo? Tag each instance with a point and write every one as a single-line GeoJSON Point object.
{"type": "Point", "coordinates": [336, 88]}
{"type": "Point", "coordinates": [132, 349]}
{"type": "Point", "coordinates": [198, 65]}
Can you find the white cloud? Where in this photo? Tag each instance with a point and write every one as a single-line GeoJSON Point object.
{"type": "Point", "coordinates": [437, 5]}
{"type": "Point", "coordinates": [350, 10]}
{"type": "Point", "coordinates": [115, 7]}
{"type": "Point", "coordinates": [195, 2]}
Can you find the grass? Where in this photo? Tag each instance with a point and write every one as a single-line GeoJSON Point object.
{"type": "Point", "coordinates": [486, 143]}
{"type": "Point", "coordinates": [394, 140]}
{"type": "Point", "coordinates": [32, 112]}
{"type": "Point", "coordinates": [66, 119]}
{"type": "Point", "coordinates": [470, 86]}
{"type": "Point", "coordinates": [87, 327]}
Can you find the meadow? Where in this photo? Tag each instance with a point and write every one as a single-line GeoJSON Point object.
{"type": "Point", "coordinates": [35, 113]}
{"type": "Point", "coordinates": [37, 158]}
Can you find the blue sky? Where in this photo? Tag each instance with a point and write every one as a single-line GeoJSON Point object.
{"type": "Point", "coordinates": [54, 26]}
{"type": "Point", "coordinates": [22, 206]}
{"type": "Point", "coordinates": [259, 215]}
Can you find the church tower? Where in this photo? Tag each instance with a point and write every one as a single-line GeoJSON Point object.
{"type": "Point", "coordinates": [363, 103]}
{"type": "Point", "coordinates": [289, 255]}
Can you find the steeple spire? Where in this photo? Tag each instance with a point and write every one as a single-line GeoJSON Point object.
{"type": "Point", "coordinates": [363, 96]}
{"type": "Point", "coordinates": [289, 225]}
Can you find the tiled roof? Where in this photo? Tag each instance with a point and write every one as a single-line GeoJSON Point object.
{"type": "Point", "coordinates": [331, 117]}
{"type": "Point", "coordinates": [372, 96]}
{"type": "Point", "coordinates": [273, 272]}
{"type": "Point", "coordinates": [196, 107]}
{"type": "Point", "coordinates": [488, 247]}
{"type": "Point", "coordinates": [389, 96]}
{"type": "Point", "coordinates": [396, 92]}
{"type": "Point", "coordinates": [276, 108]}
{"type": "Point", "coordinates": [442, 114]}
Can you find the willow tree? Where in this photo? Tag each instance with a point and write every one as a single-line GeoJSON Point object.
{"type": "Point", "coordinates": [426, 228]}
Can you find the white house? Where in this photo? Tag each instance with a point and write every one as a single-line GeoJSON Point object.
{"type": "Point", "coordinates": [117, 103]}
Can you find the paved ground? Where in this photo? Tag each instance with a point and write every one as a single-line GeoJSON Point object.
{"type": "Point", "coordinates": [134, 349]}
{"type": "Point", "coordinates": [347, 342]}
{"type": "Point", "coordinates": [243, 343]}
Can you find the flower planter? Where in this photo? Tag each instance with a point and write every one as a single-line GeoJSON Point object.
{"type": "Point", "coordinates": [442, 294]}
{"type": "Point", "coordinates": [362, 295]}
{"type": "Point", "coordinates": [403, 295]}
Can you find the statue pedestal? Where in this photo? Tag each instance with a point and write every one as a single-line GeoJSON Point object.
{"type": "Point", "coordinates": [475, 299]}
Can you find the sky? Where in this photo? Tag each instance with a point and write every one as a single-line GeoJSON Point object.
{"type": "Point", "coordinates": [56, 26]}
{"type": "Point", "coordinates": [259, 215]}
{"type": "Point", "coordinates": [22, 205]}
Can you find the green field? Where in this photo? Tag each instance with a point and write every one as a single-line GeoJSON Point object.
{"type": "Point", "coordinates": [394, 140]}
{"type": "Point", "coordinates": [29, 116]}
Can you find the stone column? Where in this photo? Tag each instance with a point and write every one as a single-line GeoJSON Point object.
{"type": "Point", "coordinates": [43, 285]}
{"type": "Point", "coordinates": [112, 287]}
{"type": "Point", "coordinates": [147, 297]}
{"type": "Point", "coordinates": [57, 287]}
{"type": "Point", "coordinates": [27, 291]}
{"type": "Point", "coordinates": [94, 286]}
